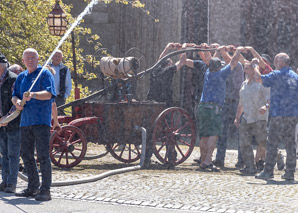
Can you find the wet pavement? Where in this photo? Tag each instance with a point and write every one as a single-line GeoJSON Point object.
{"type": "Point", "coordinates": [184, 188]}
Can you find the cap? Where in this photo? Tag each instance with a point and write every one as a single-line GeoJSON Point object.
{"type": "Point", "coordinates": [267, 58]}
{"type": "Point", "coordinates": [215, 64]}
{"type": "Point", "coordinates": [2, 59]}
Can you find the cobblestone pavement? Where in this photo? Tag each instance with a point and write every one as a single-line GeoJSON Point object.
{"type": "Point", "coordinates": [184, 188]}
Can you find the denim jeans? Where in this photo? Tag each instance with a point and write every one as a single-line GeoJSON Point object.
{"type": "Point", "coordinates": [39, 136]}
{"type": "Point", "coordinates": [228, 116]}
{"type": "Point", "coordinates": [10, 149]}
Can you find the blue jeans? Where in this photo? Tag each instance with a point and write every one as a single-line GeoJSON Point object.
{"type": "Point", "coordinates": [39, 136]}
{"type": "Point", "coordinates": [10, 149]}
{"type": "Point", "coordinates": [228, 116]}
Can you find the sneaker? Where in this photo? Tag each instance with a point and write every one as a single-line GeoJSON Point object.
{"type": "Point", "coordinates": [248, 170]}
{"type": "Point", "coordinates": [10, 188]}
{"type": "Point", "coordinates": [2, 186]}
{"type": "Point", "coordinates": [218, 163]}
{"type": "Point", "coordinates": [43, 195]}
{"type": "Point", "coordinates": [280, 161]}
{"type": "Point", "coordinates": [264, 176]}
{"type": "Point", "coordinates": [239, 165]}
{"type": "Point", "coordinates": [260, 165]}
{"type": "Point", "coordinates": [288, 176]}
{"type": "Point", "coordinates": [27, 193]}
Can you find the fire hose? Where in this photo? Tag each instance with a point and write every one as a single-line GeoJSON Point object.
{"type": "Point", "coordinates": [105, 174]}
{"type": "Point", "coordinates": [139, 75]}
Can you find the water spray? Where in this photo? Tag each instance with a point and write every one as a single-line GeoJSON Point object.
{"type": "Point", "coordinates": [87, 10]}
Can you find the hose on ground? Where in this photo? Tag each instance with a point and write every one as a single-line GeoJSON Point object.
{"type": "Point", "coordinates": [105, 174]}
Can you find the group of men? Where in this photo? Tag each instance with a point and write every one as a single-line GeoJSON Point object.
{"type": "Point", "coordinates": [252, 104]}
{"type": "Point", "coordinates": [265, 98]}
{"type": "Point", "coordinates": [31, 130]}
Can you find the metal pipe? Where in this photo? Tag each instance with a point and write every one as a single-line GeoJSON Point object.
{"type": "Point", "coordinates": [144, 144]}
{"type": "Point", "coordinates": [105, 174]}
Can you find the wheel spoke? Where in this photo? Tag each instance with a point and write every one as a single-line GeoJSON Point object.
{"type": "Point", "coordinates": [77, 141]}
{"type": "Point", "coordinates": [62, 153]}
{"type": "Point", "coordinates": [186, 135]}
{"type": "Point", "coordinates": [180, 150]}
{"type": "Point", "coordinates": [166, 122]}
{"type": "Point", "coordinates": [178, 121]}
{"type": "Point", "coordinates": [172, 119]}
{"type": "Point", "coordinates": [181, 128]}
{"type": "Point", "coordinates": [66, 157]}
{"type": "Point", "coordinates": [129, 152]}
{"type": "Point", "coordinates": [59, 139]}
{"type": "Point", "coordinates": [137, 148]}
{"type": "Point", "coordinates": [54, 153]}
{"type": "Point", "coordinates": [71, 136]}
{"type": "Point", "coordinates": [163, 144]}
{"type": "Point", "coordinates": [117, 145]}
{"type": "Point", "coordinates": [184, 142]}
{"type": "Point", "coordinates": [77, 149]}
{"type": "Point", "coordinates": [122, 150]}
{"type": "Point", "coordinates": [167, 155]}
{"type": "Point", "coordinates": [73, 155]}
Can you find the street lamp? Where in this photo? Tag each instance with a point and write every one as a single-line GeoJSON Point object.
{"type": "Point", "coordinates": [57, 25]}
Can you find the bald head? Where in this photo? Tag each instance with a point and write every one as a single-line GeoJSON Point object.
{"type": "Point", "coordinates": [281, 60]}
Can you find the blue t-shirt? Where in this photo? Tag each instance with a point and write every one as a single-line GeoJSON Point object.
{"type": "Point", "coordinates": [214, 89]}
{"type": "Point", "coordinates": [35, 112]}
{"type": "Point", "coordinates": [283, 93]}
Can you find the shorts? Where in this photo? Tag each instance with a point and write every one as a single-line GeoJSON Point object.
{"type": "Point", "coordinates": [209, 120]}
{"type": "Point", "coordinates": [257, 129]}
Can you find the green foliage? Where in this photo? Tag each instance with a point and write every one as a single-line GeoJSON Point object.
{"type": "Point", "coordinates": [23, 24]}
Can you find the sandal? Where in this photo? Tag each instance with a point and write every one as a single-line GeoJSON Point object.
{"type": "Point", "coordinates": [205, 166]}
{"type": "Point", "coordinates": [210, 166]}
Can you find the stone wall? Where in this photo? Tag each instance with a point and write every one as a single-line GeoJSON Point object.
{"type": "Point", "coordinates": [224, 21]}
{"type": "Point", "coordinates": [122, 27]}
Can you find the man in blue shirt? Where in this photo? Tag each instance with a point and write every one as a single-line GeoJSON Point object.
{"type": "Point", "coordinates": [35, 123]}
{"type": "Point", "coordinates": [62, 78]}
{"type": "Point", "coordinates": [211, 102]}
{"type": "Point", "coordinates": [284, 115]}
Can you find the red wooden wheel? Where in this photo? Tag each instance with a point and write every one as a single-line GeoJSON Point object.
{"type": "Point", "coordinates": [126, 153]}
{"type": "Point", "coordinates": [173, 136]}
{"type": "Point", "coordinates": [67, 147]}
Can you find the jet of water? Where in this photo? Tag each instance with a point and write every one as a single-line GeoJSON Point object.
{"type": "Point", "coordinates": [77, 21]}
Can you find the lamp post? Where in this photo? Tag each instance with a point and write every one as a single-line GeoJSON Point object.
{"type": "Point", "coordinates": [57, 25]}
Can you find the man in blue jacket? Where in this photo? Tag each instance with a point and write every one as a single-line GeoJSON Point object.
{"type": "Point", "coordinates": [284, 115]}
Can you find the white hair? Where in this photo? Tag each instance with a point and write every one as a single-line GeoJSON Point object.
{"type": "Point", "coordinates": [59, 51]}
{"type": "Point", "coordinates": [30, 50]}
